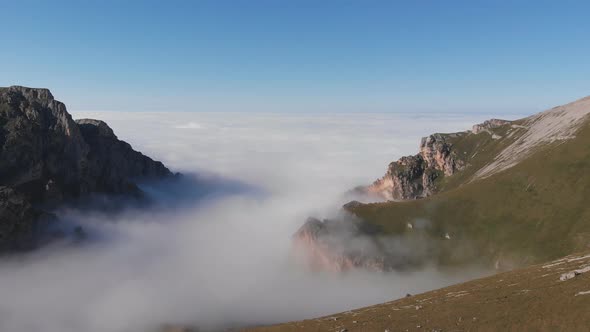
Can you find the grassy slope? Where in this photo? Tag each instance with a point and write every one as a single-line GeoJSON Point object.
{"type": "Point", "coordinates": [535, 211]}
{"type": "Point", "coordinates": [529, 299]}
{"type": "Point", "coordinates": [476, 150]}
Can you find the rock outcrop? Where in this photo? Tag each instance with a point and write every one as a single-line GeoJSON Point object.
{"type": "Point", "coordinates": [488, 125]}
{"type": "Point", "coordinates": [335, 245]}
{"type": "Point", "coordinates": [346, 243]}
{"type": "Point", "coordinates": [46, 158]}
{"type": "Point", "coordinates": [40, 144]}
{"type": "Point", "coordinates": [112, 164]}
{"type": "Point", "coordinates": [413, 177]}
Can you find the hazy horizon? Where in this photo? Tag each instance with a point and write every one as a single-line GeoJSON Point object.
{"type": "Point", "coordinates": [304, 56]}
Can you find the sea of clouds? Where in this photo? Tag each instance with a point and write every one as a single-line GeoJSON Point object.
{"type": "Point", "coordinates": [215, 252]}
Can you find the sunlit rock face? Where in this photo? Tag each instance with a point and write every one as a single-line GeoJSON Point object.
{"type": "Point", "coordinates": [413, 177]}
{"type": "Point", "coordinates": [46, 158]}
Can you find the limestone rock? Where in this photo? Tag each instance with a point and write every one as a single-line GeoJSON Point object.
{"type": "Point", "coordinates": [413, 177]}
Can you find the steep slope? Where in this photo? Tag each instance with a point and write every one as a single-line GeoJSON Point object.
{"type": "Point", "coordinates": [533, 211]}
{"type": "Point", "coordinates": [547, 297]}
{"type": "Point", "coordinates": [47, 158]}
{"type": "Point", "coordinates": [557, 124]}
{"type": "Point", "coordinates": [112, 163]}
{"type": "Point", "coordinates": [504, 193]}
{"type": "Point", "coordinates": [489, 148]}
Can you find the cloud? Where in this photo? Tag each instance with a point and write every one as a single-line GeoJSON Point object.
{"type": "Point", "coordinates": [190, 125]}
{"type": "Point", "coordinates": [221, 256]}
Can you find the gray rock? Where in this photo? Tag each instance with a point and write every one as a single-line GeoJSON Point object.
{"type": "Point", "coordinates": [46, 158]}
{"type": "Point", "coordinates": [39, 143]}
{"type": "Point", "coordinates": [413, 177]}
{"type": "Point", "coordinates": [111, 163]}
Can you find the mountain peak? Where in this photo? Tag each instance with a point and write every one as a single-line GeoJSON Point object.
{"type": "Point", "coordinates": [31, 93]}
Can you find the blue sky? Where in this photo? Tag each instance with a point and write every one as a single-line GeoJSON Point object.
{"type": "Point", "coordinates": [306, 56]}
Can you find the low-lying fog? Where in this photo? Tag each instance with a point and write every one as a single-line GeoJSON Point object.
{"type": "Point", "coordinates": [222, 259]}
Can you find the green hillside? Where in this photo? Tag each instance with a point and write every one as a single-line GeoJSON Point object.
{"type": "Point", "coordinates": [535, 211]}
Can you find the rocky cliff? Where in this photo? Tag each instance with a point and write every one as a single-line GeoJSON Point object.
{"type": "Point", "coordinates": [112, 164]}
{"type": "Point", "coordinates": [46, 158]}
{"type": "Point", "coordinates": [416, 176]}
{"type": "Point", "coordinates": [413, 177]}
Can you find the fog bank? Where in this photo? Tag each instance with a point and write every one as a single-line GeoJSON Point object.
{"type": "Point", "coordinates": [215, 252]}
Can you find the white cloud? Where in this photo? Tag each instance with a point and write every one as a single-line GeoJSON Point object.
{"type": "Point", "coordinates": [190, 125]}
{"type": "Point", "coordinates": [225, 260]}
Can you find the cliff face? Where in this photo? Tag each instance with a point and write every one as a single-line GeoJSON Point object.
{"type": "Point", "coordinates": [40, 144]}
{"type": "Point", "coordinates": [112, 164]}
{"type": "Point", "coordinates": [46, 157]}
{"type": "Point", "coordinates": [413, 177]}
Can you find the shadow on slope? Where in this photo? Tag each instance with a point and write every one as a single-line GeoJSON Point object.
{"type": "Point", "coordinates": [79, 221]}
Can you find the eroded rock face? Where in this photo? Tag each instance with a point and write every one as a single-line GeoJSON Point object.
{"type": "Point", "coordinates": [438, 154]}
{"type": "Point", "coordinates": [413, 177]}
{"type": "Point", "coordinates": [46, 157]}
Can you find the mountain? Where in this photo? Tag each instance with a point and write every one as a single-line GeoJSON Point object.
{"type": "Point", "coordinates": [504, 194]}
{"type": "Point", "coordinates": [546, 297]}
{"type": "Point", "coordinates": [47, 158]}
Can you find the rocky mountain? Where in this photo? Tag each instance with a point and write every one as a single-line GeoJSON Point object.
{"type": "Point", "coordinates": [413, 177]}
{"type": "Point", "coordinates": [47, 158]}
{"type": "Point", "coordinates": [417, 176]}
{"type": "Point", "coordinates": [505, 193]}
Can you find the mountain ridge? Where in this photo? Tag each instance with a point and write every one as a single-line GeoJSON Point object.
{"type": "Point", "coordinates": [505, 216]}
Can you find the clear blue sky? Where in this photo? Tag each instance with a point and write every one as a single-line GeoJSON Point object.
{"type": "Point", "coordinates": [249, 55]}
